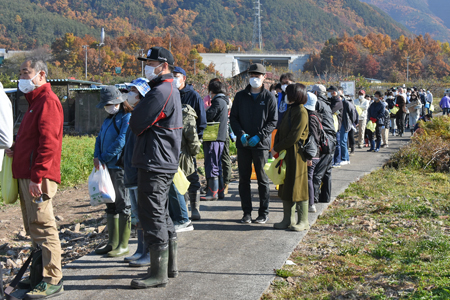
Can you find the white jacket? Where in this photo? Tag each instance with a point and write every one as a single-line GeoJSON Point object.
{"type": "Point", "coordinates": [6, 123]}
{"type": "Point", "coordinates": [364, 105]}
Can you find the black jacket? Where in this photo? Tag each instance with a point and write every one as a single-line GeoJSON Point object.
{"type": "Point", "coordinates": [349, 114]}
{"type": "Point", "coordinates": [337, 108]}
{"type": "Point", "coordinates": [376, 111]}
{"type": "Point", "coordinates": [190, 97]}
{"type": "Point", "coordinates": [158, 123]}
{"type": "Point", "coordinates": [323, 107]}
{"type": "Point", "coordinates": [314, 128]}
{"type": "Point", "coordinates": [130, 174]}
{"type": "Point", "coordinates": [218, 112]}
{"type": "Point", "coordinates": [254, 116]}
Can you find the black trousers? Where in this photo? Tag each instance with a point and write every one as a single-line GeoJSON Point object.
{"type": "Point", "coordinates": [400, 121]}
{"type": "Point", "coordinates": [322, 175]}
{"type": "Point", "coordinates": [153, 205]}
{"type": "Point", "coordinates": [194, 179]}
{"type": "Point", "coordinates": [351, 140]}
{"type": "Point", "coordinates": [122, 205]}
{"type": "Point", "coordinates": [246, 157]}
{"type": "Point", "coordinates": [375, 135]}
{"type": "Point", "coordinates": [226, 162]}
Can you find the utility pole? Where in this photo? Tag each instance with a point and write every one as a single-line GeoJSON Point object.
{"type": "Point", "coordinates": [407, 69]}
{"type": "Point", "coordinates": [85, 47]}
{"type": "Point", "coordinates": [195, 65]}
{"type": "Point", "coordinates": [141, 53]}
{"type": "Point", "coordinates": [257, 34]}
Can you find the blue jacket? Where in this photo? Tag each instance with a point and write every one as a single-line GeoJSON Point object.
{"type": "Point", "coordinates": [190, 97]}
{"type": "Point", "coordinates": [158, 123]}
{"type": "Point", "coordinates": [376, 111]}
{"type": "Point", "coordinates": [109, 143]}
{"type": "Point", "coordinates": [130, 176]}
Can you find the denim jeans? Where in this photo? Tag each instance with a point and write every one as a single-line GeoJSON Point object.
{"type": "Point", "coordinates": [343, 144]}
{"type": "Point", "coordinates": [177, 206]}
{"type": "Point", "coordinates": [337, 152]}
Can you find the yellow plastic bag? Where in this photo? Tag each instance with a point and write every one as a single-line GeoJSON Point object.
{"type": "Point", "coordinates": [181, 182]}
{"type": "Point", "coordinates": [432, 107]}
{"type": "Point", "coordinates": [276, 170]}
{"type": "Point", "coordinates": [371, 126]}
{"type": "Point", "coordinates": [10, 188]}
{"type": "Point", "coordinates": [336, 122]}
{"type": "Point", "coordinates": [394, 110]}
{"type": "Point", "coordinates": [358, 110]}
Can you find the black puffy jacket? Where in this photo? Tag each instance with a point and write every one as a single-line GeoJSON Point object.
{"type": "Point", "coordinates": [218, 112]}
{"type": "Point", "coordinates": [323, 107]}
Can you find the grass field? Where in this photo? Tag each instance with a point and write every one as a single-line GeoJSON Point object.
{"type": "Point", "coordinates": [385, 237]}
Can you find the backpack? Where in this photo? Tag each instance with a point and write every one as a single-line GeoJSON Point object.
{"type": "Point", "coordinates": [324, 142]}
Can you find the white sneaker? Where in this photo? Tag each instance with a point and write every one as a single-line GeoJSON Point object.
{"type": "Point", "coordinates": [312, 208]}
{"type": "Point", "coordinates": [345, 162]}
{"type": "Point", "coordinates": [184, 227]}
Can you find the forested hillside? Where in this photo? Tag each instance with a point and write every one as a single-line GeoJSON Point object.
{"type": "Point", "coordinates": [419, 16]}
{"type": "Point", "coordinates": [286, 24]}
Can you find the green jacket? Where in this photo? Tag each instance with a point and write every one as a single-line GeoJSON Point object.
{"type": "Point", "coordinates": [190, 144]}
{"type": "Point", "coordinates": [293, 127]}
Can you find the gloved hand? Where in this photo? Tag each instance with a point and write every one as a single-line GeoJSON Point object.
{"type": "Point", "coordinates": [253, 141]}
{"type": "Point", "coordinates": [373, 120]}
{"type": "Point", "coordinates": [232, 137]}
{"type": "Point", "coordinates": [244, 140]}
{"type": "Point", "coordinates": [382, 127]}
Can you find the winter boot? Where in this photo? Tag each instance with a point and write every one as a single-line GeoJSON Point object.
{"type": "Point", "coordinates": [157, 274]}
{"type": "Point", "coordinates": [124, 236]}
{"type": "Point", "coordinates": [302, 216]}
{"type": "Point", "coordinates": [221, 192]}
{"type": "Point", "coordinates": [372, 146]}
{"type": "Point", "coordinates": [288, 216]}
{"type": "Point", "coordinates": [377, 149]}
{"type": "Point", "coordinates": [140, 247]}
{"type": "Point", "coordinates": [213, 187]}
{"type": "Point", "coordinates": [225, 190]}
{"type": "Point", "coordinates": [113, 234]}
{"type": "Point", "coordinates": [172, 265]}
{"type": "Point", "coordinates": [194, 198]}
{"type": "Point", "coordinates": [142, 261]}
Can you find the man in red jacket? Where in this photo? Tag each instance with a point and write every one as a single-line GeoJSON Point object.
{"type": "Point", "coordinates": [36, 165]}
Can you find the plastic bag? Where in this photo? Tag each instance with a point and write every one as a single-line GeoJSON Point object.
{"type": "Point", "coordinates": [359, 110]}
{"type": "Point", "coordinates": [10, 188]}
{"type": "Point", "coordinates": [432, 107]}
{"type": "Point", "coordinates": [181, 182]}
{"type": "Point", "coordinates": [276, 170]}
{"type": "Point", "coordinates": [101, 188]}
{"type": "Point", "coordinates": [336, 122]}
{"type": "Point", "coordinates": [394, 110]}
{"type": "Point", "coordinates": [371, 126]}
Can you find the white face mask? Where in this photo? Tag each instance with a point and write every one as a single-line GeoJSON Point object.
{"type": "Point", "coordinates": [361, 98]}
{"type": "Point", "coordinates": [256, 82]}
{"type": "Point", "coordinates": [376, 98]}
{"type": "Point", "coordinates": [132, 98]}
{"type": "Point", "coordinates": [112, 109]}
{"type": "Point", "coordinates": [286, 100]}
{"type": "Point", "coordinates": [283, 87]}
{"type": "Point", "coordinates": [329, 95]}
{"type": "Point", "coordinates": [27, 85]}
{"type": "Point", "coordinates": [150, 72]}
{"type": "Point", "coordinates": [178, 82]}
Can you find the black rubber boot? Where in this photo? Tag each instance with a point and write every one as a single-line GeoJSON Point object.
{"type": "Point", "coordinates": [194, 198]}
{"type": "Point", "coordinates": [113, 234]}
{"type": "Point", "coordinates": [221, 192]}
{"type": "Point", "coordinates": [157, 275]}
{"type": "Point", "coordinates": [213, 188]}
{"type": "Point", "coordinates": [140, 247]}
{"type": "Point", "coordinates": [173, 267]}
{"type": "Point", "coordinates": [124, 236]}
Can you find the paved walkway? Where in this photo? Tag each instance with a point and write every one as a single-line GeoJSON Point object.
{"type": "Point", "coordinates": [221, 258]}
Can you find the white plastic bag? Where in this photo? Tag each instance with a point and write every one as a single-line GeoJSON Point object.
{"type": "Point", "coordinates": [101, 188]}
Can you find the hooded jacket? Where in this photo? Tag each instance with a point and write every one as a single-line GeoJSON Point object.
{"type": "Point", "coordinates": [110, 142]}
{"type": "Point", "coordinates": [218, 112]}
{"type": "Point", "coordinates": [349, 115]}
{"type": "Point", "coordinates": [190, 144]}
{"type": "Point", "coordinates": [190, 97]}
{"type": "Point", "coordinates": [254, 116]}
{"type": "Point", "coordinates": [37, 152]}
{"type": "Point", "coordinates": [158, 123]}
{"type": "Point", "coordinates": [323, 108]}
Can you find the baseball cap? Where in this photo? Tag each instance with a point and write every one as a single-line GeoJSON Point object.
{"type": "Point", "coordinates": [257, 68]}
{"type": "Point", "coordinates": [332, 89]}
{"type": "Point", "coordinates": [179, 70]}
{"type": "Point", "coordinates": [160, 54]}
{"type": "Point", "coordinates": [141, 85]}
{"type": "Point", "coordinates": [110, 95]}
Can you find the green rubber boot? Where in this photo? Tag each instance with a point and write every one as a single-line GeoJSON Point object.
{"type": "Point", "coordinates": [288, 216]}
{"type": "Point", "coordinates": [302, 216]}
{"type": "Point", "coordinates": [173, 266]}
{"type": "Point", "coordinates": [157, 275]}
{"type": "Point", "coordinates": [113, 234]}
{"type": "Point", "coordinates": [124, 236]}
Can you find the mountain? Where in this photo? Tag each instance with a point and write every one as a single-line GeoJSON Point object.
{"type": "Point", "coordinates": [419, 16]}
{"type": "Point", "coordinates": [298, 25]}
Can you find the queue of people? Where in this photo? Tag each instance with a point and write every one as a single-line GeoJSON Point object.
{"type": "Point", "coordinates": [158, 127]}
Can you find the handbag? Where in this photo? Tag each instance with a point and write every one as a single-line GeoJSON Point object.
{"type": "Point", "coordinates": [276, 170]}
{"type": "Point", "coordinates": [307, 149]}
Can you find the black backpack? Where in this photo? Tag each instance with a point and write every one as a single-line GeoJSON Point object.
{"type": "Point", "coordinates": [324, 142]}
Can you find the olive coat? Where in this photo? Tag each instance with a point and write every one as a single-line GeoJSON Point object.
{"type": "Point", "coordinates": [293, 127]}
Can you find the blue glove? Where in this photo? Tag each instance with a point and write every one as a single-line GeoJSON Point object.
{"type": "Point", "coordinates": [253, 141]}
{"type": "Point", "coordinates": [382, 127]}
{"type": "Point", "coordinates": [244, 140]}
